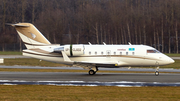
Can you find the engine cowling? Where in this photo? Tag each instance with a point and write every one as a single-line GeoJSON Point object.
{"type": "Point", "coordinates": [74, 50]}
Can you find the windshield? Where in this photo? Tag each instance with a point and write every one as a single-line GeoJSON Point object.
{"type": "Point", "coordinates": [153, 51]}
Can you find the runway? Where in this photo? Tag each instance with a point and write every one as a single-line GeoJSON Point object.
{"type": "Point", "coordinates": [169, 70]}
{"type": "Point", "coordinates": [83, 79]}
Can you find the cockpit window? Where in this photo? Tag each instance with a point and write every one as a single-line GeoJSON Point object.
{"type": "Point", "coordinates": [153, 51]}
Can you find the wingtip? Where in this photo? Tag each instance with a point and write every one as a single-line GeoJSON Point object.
{"type": "Point", "coordinates": [9, 24]}
{"type": "Point", "coordinates": [18, 24]}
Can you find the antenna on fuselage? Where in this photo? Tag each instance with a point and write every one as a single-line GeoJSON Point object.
{"type": "Point", "coordinates": [129, 43]}
{"type": "Point", "coordinates": [89, 43]}
{"type": "Point", "coordinates": [104, 43]}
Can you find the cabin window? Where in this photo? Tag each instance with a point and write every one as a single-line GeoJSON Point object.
{"type": "Point", "coordinates": [120, 53]}
{"type": "Point", "coordinates": [114, 53]}
{"type": "Point", "coordinates": [101, 53]}
{"type": "Point", "coordinates": [108, 53]}
{"type": "Point", "coordinates": [95, 53]}
{"type": "Point", "coordinates": [89, 53]}
{"type": "Point", "coordinates": [132, 53]}
{"type": "Point", "coordinates": [126, 53]}
{"type": "Point", "coordinates": [153, 51]}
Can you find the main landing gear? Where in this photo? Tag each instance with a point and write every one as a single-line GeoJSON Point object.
{"type": "Point", "coordinates": [93, 70]}
{"type": "Point", "coordinates": [156, 72]}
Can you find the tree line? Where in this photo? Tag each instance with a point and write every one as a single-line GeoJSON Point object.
{"type": "Point", "coordinates": [149, 22]}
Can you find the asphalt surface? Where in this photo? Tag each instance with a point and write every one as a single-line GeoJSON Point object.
{"type": "Point", "coordinates": [81, 79]}
{"type": "Point", "coordinates": [100, 77]}
{"type": "Point", "coordinates": [169, 70]}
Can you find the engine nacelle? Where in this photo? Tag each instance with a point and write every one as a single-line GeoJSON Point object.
{"type": "Point", "coordinates": [74, 50]}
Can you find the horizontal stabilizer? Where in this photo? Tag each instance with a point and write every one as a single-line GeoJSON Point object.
{"type": "Point", "coordinates": [17, 25]}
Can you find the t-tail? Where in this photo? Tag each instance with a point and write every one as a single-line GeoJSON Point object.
{"type": "Point", "coordinates": [30, 35]}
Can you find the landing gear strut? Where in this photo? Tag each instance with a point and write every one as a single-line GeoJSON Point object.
{"type": "Point", "coordinates": [93, 70]}
{"type": "Point", "coordinates": [156, 72]}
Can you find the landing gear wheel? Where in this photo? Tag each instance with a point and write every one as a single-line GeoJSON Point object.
{"type": "Point", "coordinates": [156, 73]}
{"type": "Point", "coordinates": [91, 72]}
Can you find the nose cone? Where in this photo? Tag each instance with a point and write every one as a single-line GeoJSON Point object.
{"type": "Point", "coordinates": [166, 60]}
{"type": "Point", "coordinates": [171, 61]}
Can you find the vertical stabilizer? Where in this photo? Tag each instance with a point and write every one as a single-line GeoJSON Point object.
{"type": "Point", "coordinates": [30, 35]}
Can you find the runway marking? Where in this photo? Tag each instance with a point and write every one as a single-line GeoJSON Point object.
{"type": "Point", "coordinates": [83, 83]}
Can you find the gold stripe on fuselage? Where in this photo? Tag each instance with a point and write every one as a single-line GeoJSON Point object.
{"type": "Point", "coordinates": [50, 54]}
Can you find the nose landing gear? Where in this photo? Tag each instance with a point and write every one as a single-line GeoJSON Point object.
{"type": "Point", "coordinates": [156, 72]}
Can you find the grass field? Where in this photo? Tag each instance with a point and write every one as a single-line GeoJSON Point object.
{"type": "Point", "coordinates": [36, 62]}
{"type": "Point", "coordinates": [172, 55]}
{"type": "Point", "coordinates": [10, 53]}
{"type": "Point", "coordinates": [83, 93]}
{"type": "Point", "coordinates": [29, 62]}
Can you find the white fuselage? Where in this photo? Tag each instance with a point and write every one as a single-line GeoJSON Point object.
{"type": "Point", "coordinates": [103, 55]}
{"type": "Point", "coordinates": [88, 56]}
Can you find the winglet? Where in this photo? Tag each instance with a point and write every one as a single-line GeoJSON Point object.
{"type": "Point", "coordinates": [89, 43]}
{"type": "Point", "coordinates": [66, 58]}
{"type": "Point", "coordinates": [129, 43]}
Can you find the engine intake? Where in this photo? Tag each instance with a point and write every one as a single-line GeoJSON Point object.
{"type": "Point", "coordinates": [74, 50]}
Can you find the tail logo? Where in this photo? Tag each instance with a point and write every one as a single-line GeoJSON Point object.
{"type": "Point", "coordinates": [34, 36]}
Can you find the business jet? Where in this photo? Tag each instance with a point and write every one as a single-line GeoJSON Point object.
{"type": "Point", "coordinates": [89, 56]}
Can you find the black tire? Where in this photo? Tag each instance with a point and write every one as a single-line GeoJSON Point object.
{"type": "Point", "coordinates": [156, 73]}
{"type": "Point", "coordinates": [91, 72]}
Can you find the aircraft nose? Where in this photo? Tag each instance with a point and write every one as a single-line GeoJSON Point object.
{"type": "Point", "coordinates": [171, 60]}
{"type": "Point", "coordinates": [167, 60]}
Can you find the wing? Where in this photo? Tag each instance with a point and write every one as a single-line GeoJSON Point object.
{"type": "Point", "coordinates": [89, 65]}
